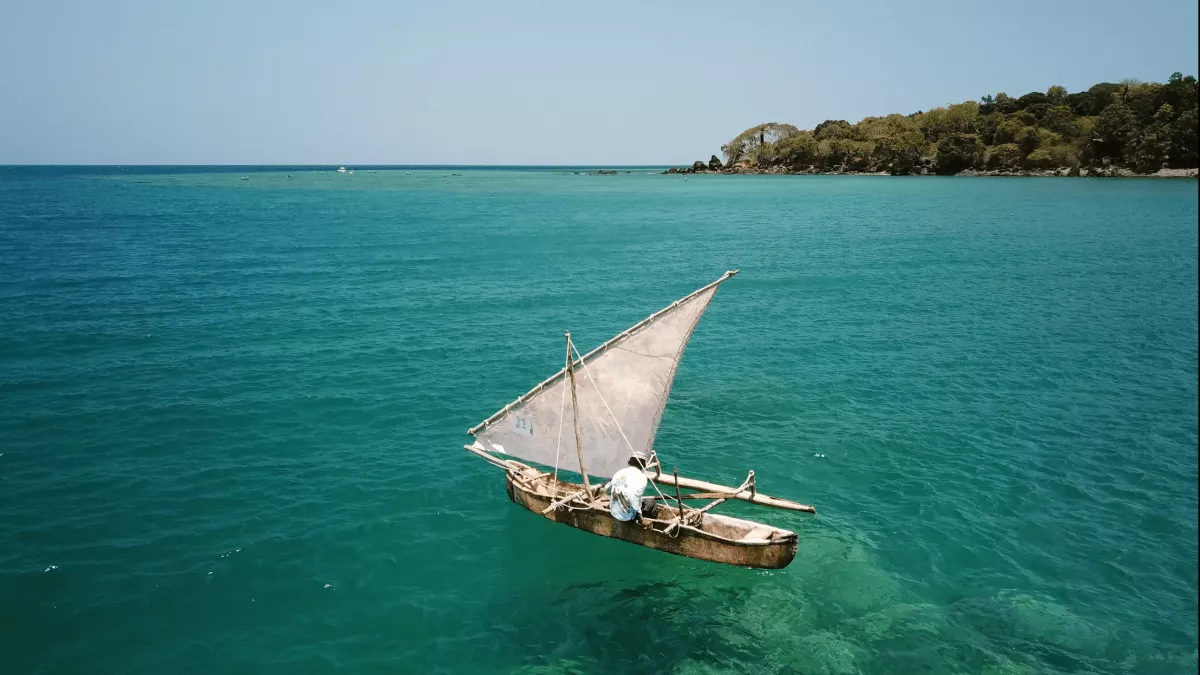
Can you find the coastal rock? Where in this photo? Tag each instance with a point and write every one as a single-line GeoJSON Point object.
{"type": "Point", "coordinates": [1176, 173]}
{"type": "Point", "coordinates": [698, 166]}
{"type": "Point", "coordinates": [714, 164]}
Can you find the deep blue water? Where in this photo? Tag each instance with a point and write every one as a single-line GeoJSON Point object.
{"type": "Point", "coordinates": [232, 414]}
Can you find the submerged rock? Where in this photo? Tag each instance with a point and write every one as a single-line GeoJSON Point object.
{"type": "Point", "coordinates": [1046, 620]}
{"type": "Point", "coordinates": [825, 653]}
{"type": "Point", "coordinates": [902, 619]}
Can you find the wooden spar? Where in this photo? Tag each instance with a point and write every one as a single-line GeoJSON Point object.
{"type": "Point", "coordinates": [559, 502]}
{"type": "Point", "coordinates": [494, 460]}
{"type": "Point", "coordinates": [598, 350]}
{"type": "Point", "coordinates": [695, 495]}
{"type": "Point", "coordinates": [744, 495]}
{"type": "Point", "coordinates": [575, 417]}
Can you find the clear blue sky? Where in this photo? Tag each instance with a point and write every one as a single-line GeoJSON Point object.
{"type": "Point", "coordinates": [609, 82]}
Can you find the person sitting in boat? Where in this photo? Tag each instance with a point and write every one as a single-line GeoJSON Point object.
{"type": "Point", "coordinates": [625, 491]}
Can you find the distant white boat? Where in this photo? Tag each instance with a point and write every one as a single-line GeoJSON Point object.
{"type": "Point", "coordinates": [342, 169]}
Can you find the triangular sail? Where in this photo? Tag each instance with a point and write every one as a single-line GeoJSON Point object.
{"type": "Point", "coordinates": [621, 387]}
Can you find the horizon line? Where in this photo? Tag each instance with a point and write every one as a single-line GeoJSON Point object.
{"type": "Point", "coordinates": [407, 166]}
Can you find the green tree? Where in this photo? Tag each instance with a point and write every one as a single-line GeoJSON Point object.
{"type": "Point", "coordinates": [1063, 155]}
{"type": "Point", "coordinates": [1008, 131]}
{"type": "Point", "coordinates": [1184, 143]}
{"type": "Point", "coordinates": [1056, 95]}
{"type": "Point", "coordinates": [1026, 117]}
{"type": "Point", "coordinates": [1061, 120]}
{"type": "Point", "coordinates": [1116, 130]}
{"type": "Point", "coordinates": [746, 145]}
{"type": "Point", "coordinates": [1181, 92]}
{"type": "Point", "coordinates": [1155, 143]}
{"type": "Point", "coordinates": [958, 152]}
{"type": "Point", "coordinates": [846, 154]}
{"type": "Point", "coordinates": [799, 151]}
{"type": "Point", "coordinates": [1029, 139]}
{"type": "Point", "coordinates": [899, 155]}
{"type": "Point", "coordinates": [831, 129]}
{"type": "Point", "coordinates": [1047, 138]}
{"type": "Point", "coordinates": [1144, 99]}
{"type": "Point", "coordinates": [987, 125]}
{"type": "Point", "coordinates": [1006, 156]}
{"type": "Point", "coordinates": [1032, 98]}
{"type": "Point", "coordinates": [1040, 159]}
{"type": "Point", "coordinates": [1095, 99]}
{"type": "Point", "coordinates": [1166, 113]}
{"type": "Point", "coordinates": [1150, 153]}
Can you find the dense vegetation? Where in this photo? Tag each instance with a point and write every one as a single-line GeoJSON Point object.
{"type": "Point", "coordinates": [1140, 126]}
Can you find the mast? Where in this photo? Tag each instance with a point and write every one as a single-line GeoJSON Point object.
{"type": "Point", "coordinates": [575, 416]}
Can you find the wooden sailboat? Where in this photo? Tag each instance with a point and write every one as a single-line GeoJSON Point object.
{"type": "Point", "coordinates": [609, 402]}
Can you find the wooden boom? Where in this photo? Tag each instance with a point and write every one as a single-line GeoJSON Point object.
{"type": "Point", "coordinates": [744, 495]}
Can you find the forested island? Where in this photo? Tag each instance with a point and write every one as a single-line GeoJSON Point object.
{"type": "Point", "coordinates": [1112, 129]}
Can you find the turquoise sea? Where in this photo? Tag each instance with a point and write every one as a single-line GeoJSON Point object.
{"type": "Point", "coordinates": [232, 415]}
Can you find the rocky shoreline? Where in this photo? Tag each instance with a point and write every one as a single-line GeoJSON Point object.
{"type": "Point", "coordinates": [1094, 172]}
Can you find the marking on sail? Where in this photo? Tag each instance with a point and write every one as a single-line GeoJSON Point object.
{"type": "Point", "coordinates": [523, 425]}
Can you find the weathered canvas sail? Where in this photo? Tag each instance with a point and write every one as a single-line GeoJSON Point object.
{"type": "Point", "coordinates": [621, 388]}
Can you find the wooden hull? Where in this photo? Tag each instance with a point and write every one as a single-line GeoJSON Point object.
{"type": "Point", "coordinates": [717, 538]}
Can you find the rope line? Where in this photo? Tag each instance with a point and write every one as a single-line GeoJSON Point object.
{"type": "Point", "coordinates": [616, 421]}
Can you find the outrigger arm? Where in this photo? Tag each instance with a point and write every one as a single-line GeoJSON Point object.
{"type": "Point", "coordinates": [747, 495]}
{"type": "Point", "coordinates": [716, 491]}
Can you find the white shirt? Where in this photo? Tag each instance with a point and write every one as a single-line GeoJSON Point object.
{"type": "Point", "coordinates": [626, 488]}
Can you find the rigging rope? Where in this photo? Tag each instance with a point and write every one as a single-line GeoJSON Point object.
{"type": "Point", "coordinates": [618, 423]}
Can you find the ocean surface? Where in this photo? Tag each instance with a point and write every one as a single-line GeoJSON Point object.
{"type": "Point", "coordinates": [232, 414]}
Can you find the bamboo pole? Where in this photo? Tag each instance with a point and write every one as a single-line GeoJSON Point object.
{"type": "Point", "coordinates": [575, 417]}
{"type": "Point", "coordinates": [503, 464]}
{"type": "Point", "coordinates": [697, 495]}
{"type": "Point", "coordinates": [564, 500]}
{"type": "Point", "coordinates": [744, 495]}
